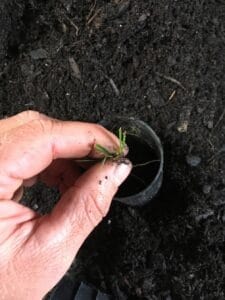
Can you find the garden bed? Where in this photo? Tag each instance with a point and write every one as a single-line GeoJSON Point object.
{"type": "Point", "coordinates": [159, 61]}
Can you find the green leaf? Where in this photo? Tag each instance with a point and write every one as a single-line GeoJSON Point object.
{"type": "Point", "coordinates": [120, 134]}
{"type": "Point", "coordinates": [118, 152]}
{"type": "Point", "coordinates": [124, 138]}
{"type": "Point", "coordinates": [103, 150]}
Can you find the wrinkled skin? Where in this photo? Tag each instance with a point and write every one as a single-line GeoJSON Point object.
{"type": "Point", "coordinates": [36, 251]}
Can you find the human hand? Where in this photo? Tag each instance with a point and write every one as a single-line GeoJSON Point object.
{"type": "Point", "coordinates": [36, 251]}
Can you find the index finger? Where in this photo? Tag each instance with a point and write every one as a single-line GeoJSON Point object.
{"type": "Point", "coordinates": [20, 119]}
{"type": "Point", "coordinates": [27, 150]}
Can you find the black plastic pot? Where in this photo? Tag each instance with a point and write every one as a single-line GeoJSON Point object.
{"type": "Point", "coordinates": [146, 155]}
{"type": "Point", "coordinates": [68, 289]}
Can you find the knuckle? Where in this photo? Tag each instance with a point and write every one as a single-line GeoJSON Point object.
{"type": "Point", "coordinates": [40, 125]}
{"type": "Point", "coordinates": [29, 114]}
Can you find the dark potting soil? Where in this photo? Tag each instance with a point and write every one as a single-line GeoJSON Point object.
{"type": "Point", "coordinates": [162, 62]}
{"type": "Point", "coordinates": [145, 167]}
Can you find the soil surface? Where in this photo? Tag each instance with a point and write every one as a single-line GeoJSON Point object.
{"type": "Point", "coordinates": [163, 62]}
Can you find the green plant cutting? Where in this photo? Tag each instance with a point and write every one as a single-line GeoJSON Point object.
{"type": "Point", "coordinates": [118, 153]}
{"type": "Point", "coordinates": [106, 154]}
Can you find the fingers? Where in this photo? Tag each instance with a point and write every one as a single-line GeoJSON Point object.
{"type": "Point", "coordinates": [27, 150]}
{"type": "Point", "coordinates": [47, 245]}
{"type": "Point", "coordinates": [88, 201]}
{"type": "Point", "coordinates": [62, 173]}
{"type": "Point", "coordinates": [76, 215]}
{"type": "Point", "coordinates": [12, 216]}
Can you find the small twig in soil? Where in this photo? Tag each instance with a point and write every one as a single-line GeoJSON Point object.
{"type": "Point", "coordinates": [72, 24]}
{"type": "Point", "coordinates": [115, 88]}
{"type": "Point", "coordinates": [220, 119]}
{"type": "Point", "coordinates": [112, 83]}
{"type": "Point", "coordinates": [91, 11]}
{"type": "Point", "coordinates": [172, 96]}
{"type": "Point", "coordinates": [172, 80]}
{"type": "Point", "coordinates": [211, 144]}
{"type": "Point", "coordinates": [91, 19]}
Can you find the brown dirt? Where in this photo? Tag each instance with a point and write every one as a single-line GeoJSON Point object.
{"type": "Point", "coordinates": [166, 60]}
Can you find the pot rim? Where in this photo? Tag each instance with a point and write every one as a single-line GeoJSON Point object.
{"type": "Point", "coordinates": [147, 194]}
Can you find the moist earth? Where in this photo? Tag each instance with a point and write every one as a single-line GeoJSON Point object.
{"type": "Point", "coordinates": [162, 62]}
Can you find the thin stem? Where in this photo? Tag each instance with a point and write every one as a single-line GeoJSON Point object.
{"type": "Point", "coordinates": [146, 163]}
{"type": "Point", "coordinates": [87, 160]}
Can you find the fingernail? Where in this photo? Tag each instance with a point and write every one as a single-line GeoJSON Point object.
{"type": "Point", "coordinates": [122, 171]}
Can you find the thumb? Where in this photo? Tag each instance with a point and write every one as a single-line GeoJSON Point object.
{"type": "Point", "coordinates": [80, 209]}
{"type": "Point", "coordinates": [85, 204]}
